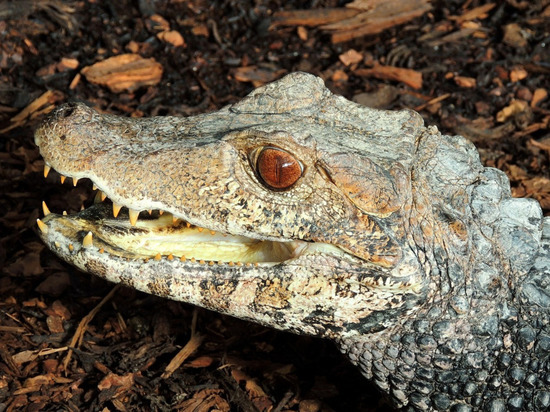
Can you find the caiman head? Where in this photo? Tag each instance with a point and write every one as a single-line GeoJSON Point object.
{"type": "Point", "coordinates": [294, 208]}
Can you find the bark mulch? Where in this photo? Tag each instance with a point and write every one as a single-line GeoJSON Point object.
{"type": "Point", "coordinates": [69, 341]}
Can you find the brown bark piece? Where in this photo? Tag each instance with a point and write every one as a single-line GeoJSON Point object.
{"type": "Point", "coordinates": [350, 57]}
{"type": "Point", "coordinates": [410, 77]}
{"type": "Point", "coordinates": [37, 107]}
{"type": "Point", "coordinates": [464, 81]}
{"type": "Point", "coordinates": [360, 18]}
{"type": "Point", "coordinates": [381, 16]}
{"type": "Point", "coordinates": [475, 13]}
{"type": "Point", "coordinates": [125, 72]}
{"type": "Point", "coordinates": [257, 75]}
{"type": "Point", "coordinates": [173, 37]}
{"type": "Point", "coordinates": [539, 95]}
{"type": "Point", "coordinates": [312, 18]}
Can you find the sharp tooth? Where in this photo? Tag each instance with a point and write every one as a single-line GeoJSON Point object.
{"type": "Point", "coordinates": [64, 213]}
{"type": "Point", "coordinates": [170, 257]}
{"type": "Point", "coordinates": [101, 250]}
{"type": "Point", "coordinates": [161, 212]}
{"type": "Point", "coordinates": [75, 181]}
{"type": "Point", "coordinates": [97, 198]}
{"type": "Point", "coordinates": [183, 259]}
{"type": "Point", "coordinates": [82, 207]}
{"type": "Point", "coordinates": [150, 211]}
{"type": "Point", "coordinates": [202, 262]}
{"type": "Point", "coordinates": [200, 229]}
{"type": "Point", "coordinates": [42, 226]}
{"type": "Point", "coordinates": [133, 216]}
{"type": "Point", "coordinates": [174, 219]}
{"type": "Point", "coordinates": [94, 187]}
{"type": "Point", "coordinates": [71, 247]}
{"type": "Point", "coordinates": [103, 196]}
{"type": "Point", "coordinates": [193, 260]}
{"type": "Point", "coordinates": [116, 209]}
{"type": "Point", "coordinates": [231, 263]}
{"type": "Point", "coordinates": [46, 170]}
{"type": "Point", "coordinates": [45, 209]}
{"type": "Point", "coordinates": [88, 240]}
{"type": "Point", "coordinates": [56, 244]}
{"type": "Point", "coordinates": [188, 225]}
{"type": "Point", "coordinates": [211, 263]}
{"type": "Point", "coordinates": [212, 232]}
{"type": "Point", "coordinates": [158, 256]}
{"type": "Point", "coordinates": [62, 178]}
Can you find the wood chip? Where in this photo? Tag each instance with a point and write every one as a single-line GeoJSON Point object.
{"type": "Point", "coordinates": [302, 33]}
{"type": "Point", "coordinates": [464, 81]}
{"type": "Point", "coordinates": [173, 37]}
{"type": "Point", "coordinates": [475, 13]}
{"type": "Point", "coordinates": [513, 109]}
{"type": "Point", "coordinates": [357, 19]}
{"type": "Point", "coordinates": [67, 63]}
{"type": "Point", "coordinates": [125, 72]}
{"type": "Point", "coordinates": [410, 77]}
{"type": "Point", "coordinates": [350, 57]}
{"type": "Point", "coordinates": [42, 104]}
{"type": "Point", "coordinates": [200, 30]}
{"type": "Point", "coordinates": [539, 95]}
{"type": "Point", "coordinates": [517, 74]}
{"type": "Point", "coordinates": [515, 36]}
{"type": "Point", "coordinates": [312, 18]}
{"type": "Point", "coordinates": [379, 17]}
{"type": "Point", "coordinates": [257, 75]}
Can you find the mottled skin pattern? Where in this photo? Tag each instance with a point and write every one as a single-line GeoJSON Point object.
{"type": "Point", "coordinates": [402, 247]}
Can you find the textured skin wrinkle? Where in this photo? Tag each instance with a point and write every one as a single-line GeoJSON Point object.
{"type": "Point", "coordinates": [398, 244]}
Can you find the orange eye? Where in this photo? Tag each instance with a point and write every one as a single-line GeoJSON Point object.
{"type": "Point", "coordinates": [277, 168]}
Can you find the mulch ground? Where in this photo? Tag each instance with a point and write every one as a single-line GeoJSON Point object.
{"type": "Point", "coordinates": [68, 341]}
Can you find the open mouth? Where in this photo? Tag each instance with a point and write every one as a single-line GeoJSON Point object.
{"type": "Point", "coordinates": [110, 228]}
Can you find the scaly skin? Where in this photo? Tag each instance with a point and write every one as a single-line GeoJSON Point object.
{"type": "Point", "coordinates": [395, 241]}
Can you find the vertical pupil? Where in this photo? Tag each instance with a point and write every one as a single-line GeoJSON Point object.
{"type": "Point", "coordinates": [277, 168]}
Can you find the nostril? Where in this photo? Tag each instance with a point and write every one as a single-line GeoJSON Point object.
{"type": "Point", "coordinates": [62, 137]}
{"type": "Point", "coordinates": [67, 112]}
{"type": "Point", "coordinates": [68, 109]}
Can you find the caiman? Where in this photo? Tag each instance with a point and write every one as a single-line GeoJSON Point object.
{"type": "Point", "coordinates": [300, 210]}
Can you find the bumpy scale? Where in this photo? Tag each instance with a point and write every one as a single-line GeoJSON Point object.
{"type": "Point", "coordinates": [301, 210]}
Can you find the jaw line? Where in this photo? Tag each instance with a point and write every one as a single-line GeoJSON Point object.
{"type": "Point", "coordinates": [156, 236]}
